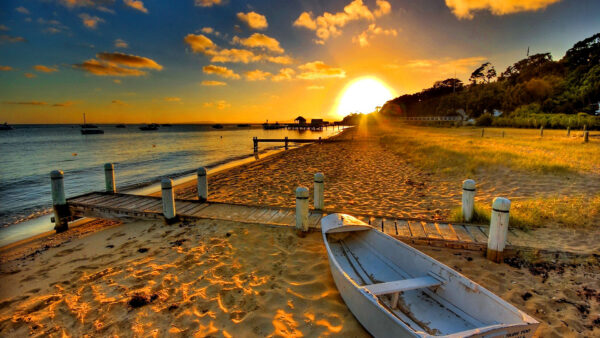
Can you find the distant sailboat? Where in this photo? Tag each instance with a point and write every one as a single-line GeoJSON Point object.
{"type": "Point", "coordinates": [89, 129]}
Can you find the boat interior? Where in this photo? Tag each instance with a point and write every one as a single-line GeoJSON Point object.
{"type": "Point", "coordinates": [411, 298]}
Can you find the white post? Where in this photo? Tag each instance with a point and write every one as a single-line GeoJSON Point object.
{"type": "Point", "coordinates": [168, 201]}
{"type": "Point", "coordinates": [202, 185]}
{"type": "Point", "coordinates": [319, 191]}
{"type": "Point", "coordinates": [586, 136]}
{"type": "Point", "coordinates": [59, 201]}
{"type": "Point", "coordinates": [498, 229]}
{"type": "Point", "coordinates": [302, 208]}
{"type": "Point", "coordinates": [109, 177]}
{"type": "Point", "coordinates": [468, 199]}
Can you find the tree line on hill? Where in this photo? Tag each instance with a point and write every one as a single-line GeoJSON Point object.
{"type": "Point", "coordinates": [533, 92]}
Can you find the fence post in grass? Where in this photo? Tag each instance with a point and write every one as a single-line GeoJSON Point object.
{"type": "Point", "coordinates": [302, 208]}
{"type": "Point", "coordinates": [586, 136]}
{"type": "Point", "coordinates": [109, 178]}
{"type": "Point", "coordinates": [59, 201]}
{"type": "Point", "coordinates": [568, 131]}
{"type": "Point", "coordinates": [468, 199]}
{"type": "Point", "coordinates": [498, 229]}
{"type": "Point", "coordinates": [482, 131]}
{"type": "Point", "coordinates": [286, 143]}
{"type": "Point", "coordinates": [542, 131]}
{"type": "Point", "coordinates": [168, 201]}
{"type": "Point", "coordinates": [319, 191]}
{"type": "Point", "coordinates": [202, 184]}
{"type": "Point", "coordinates": [503, 134]}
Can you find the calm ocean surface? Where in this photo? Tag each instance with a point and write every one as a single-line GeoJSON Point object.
{"type": "Point", "coordinates": [29, 153]}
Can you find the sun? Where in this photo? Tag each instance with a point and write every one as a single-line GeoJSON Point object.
{"type": "Point", "coordinates": [362, 96]}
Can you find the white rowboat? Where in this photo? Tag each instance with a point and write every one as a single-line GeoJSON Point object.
{"type": "Point", "coordinates": [395, 290]}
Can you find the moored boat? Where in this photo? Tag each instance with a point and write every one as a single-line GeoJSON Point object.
{"type": "Point", "coordinates": [217, 126]}
{"type": "Point", "coordinates": [150, 127]}
{"type": "Point", "coordinates": [90, 129]}
{"type": "Point", "coordinates": [395, 290]}
{"type": "Point", "coordinates": [6, 126]}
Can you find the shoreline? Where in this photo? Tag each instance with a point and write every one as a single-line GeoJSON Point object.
{"type": "Point", "coordinates": [33, 228]}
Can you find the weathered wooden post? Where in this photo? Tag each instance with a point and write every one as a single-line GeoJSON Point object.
{"type": "Point", "coordinates": [319, 191]}
{"type": "Point", "coordinates": [542, 131]}
{"type": "Point", "coordinates": [586, 136]}
{"type": "Point", "coordinates": [498, 229]}
{"type": "Point", "coordinates": [109, 178]}
{"type": "Point", "coordinates": [255, 140]}
{"type": "Point", "coordinates": [503, 134]}
{"type": "Point", "coordinates": [302, 208]}
{"type": "Point", "coordinates": [568, 131]}
{"type": "Point", "coordinates": [482, 131]}
{"type": "Point", "coordinates": [168, 201]}
{"type": "Point", "coordinates": [202, 184]}
{"type": "Point", "coordinates": [468, 199]}
{"type": "Point", "coordinates": [286, 143]}
{"type": "Point", "coordinates": [59, 201]}
{"type": "Point", "coordinates": [319, 139]}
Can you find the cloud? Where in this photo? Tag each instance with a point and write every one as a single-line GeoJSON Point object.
{"type": "Point", "coordinates": [258, 40]}
{"type": "Point", "coordinates": [257, 75]}
{"type": "Point", "coordinates": [363, 38]}
{"type": "Point", "coordinates": [172, 99]}
{"type": "Point", "coordinates": [220, 71]}
{"type": "Point", "coordinates": [136, 4]}
{"type": "Point", "coordinates": [319, 70]}
{"type": "Point", "coordinates": [464, 9]}
{"type": "Point", "coordinates": [11, 39]}
{"type": "Point", "coordinates": [208, 3]}
{"type": "Point", "coordinates": [234, 55]}
{"type": "Point", "coordinates": [52, 26]}
{"type": "Point", "coordinates": [22, 10]}
{"type": "Point", "coordinates": [284, 74]}
{"type": "Point", "coordinates": [283, 60]}
{"type": "Point", "coordinates": [45, 69]}
{"type": "Point", "coordinates": [221, 104]}
{"type": "Point", "coordinates": [28, 103]}
{"type": "Point", "coordinates": [118, 64]}
{"type": "Point", "coordinates": [207, 30]}
{"type": "Point", "coordinates": [89, 21]}
{"type": "Point", "coordinates": [121, 43]}
{"type": "Point", "coordinates": [4, 28]}
{"type": "Point", "coordinates": [133, 61]}
{"type": "Point", "coordinates": [30, 75]}
{"type": "Point", "coordinates": [213, 83]}
{"type": "Point", "coordinates": [119, 103]}
{"type": "Point", "coordinates": [5, 68]}
{"type": "Point", "coordinates": [253, 20]}
{"type": "Point", "coordinates": [199, 43]}
{"type": "Point", "coordinates": [315, 87]}
{"type": "Point", "coordinates": [329, 25]}
{"type": "Point", "coordinates": [63, 104]}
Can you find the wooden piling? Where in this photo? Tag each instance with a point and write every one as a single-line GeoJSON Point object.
{"type": "Point", "coordinates": [503, 134]}
{"type": "Point", "coordinates": [202, 184]}
{"type": "Point", "coordinates": [498, 229]}
{"type": "Point", "coordinates": [586, 136]}
{"type": "Point", "coordinates": [286, 143]}
{"type": "Point", "coordinates": [59, 201]}
{"type": "Point", "coordinates": [542, 131]}
{"type": "Point", "coordinates": [168, 201]}
{"type": "Point", "coordinates": [255, 140]}
{"type": "Point", "coordinates": [109, 178]}
{"type": "Point", "coordinates": [468, 199]}
{"type": "Point", "coordinates": [568, 131]}
{"type": "Point", "coordinates": [302, 208]}
{"type": "Point", "coordinates": [482, 132]}
{"type": "Point", "coordinates": [319, 191]}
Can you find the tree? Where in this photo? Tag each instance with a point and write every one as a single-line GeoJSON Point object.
{"type": "Point", "coordinates": [485, 72]}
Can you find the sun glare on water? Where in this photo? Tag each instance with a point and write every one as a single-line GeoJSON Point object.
{"type": "Point", "coordinates": [362, 96]}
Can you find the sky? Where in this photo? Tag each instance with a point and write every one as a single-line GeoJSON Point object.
{"type": "Point", "coordinates": [195, 61]}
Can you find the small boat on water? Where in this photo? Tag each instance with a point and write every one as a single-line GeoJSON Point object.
{"type": "Point", "coordinates": [268, 126]}
{"type": "Point", "coordinates": [395, 290]}
{"type": "Point", "coordinates": [150, 127]}
{"type": "Point", "coordinates": [90, 129]}
{"type": "Point", "coordinates": [120, 126]}
{"type": "Point", "coordinates": [6, 126]}
{"type": "Point", "coordinates": [217, 126]}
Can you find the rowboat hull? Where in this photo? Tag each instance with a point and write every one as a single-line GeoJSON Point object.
{"type": "Point", "coordinates": [453, 307]}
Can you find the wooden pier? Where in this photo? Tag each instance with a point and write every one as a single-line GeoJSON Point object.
{"type": "Point", "coordinates": [421, 232]}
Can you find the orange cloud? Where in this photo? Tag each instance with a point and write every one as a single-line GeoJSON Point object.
{"type": "Point", "coordinates": [207, 30]}
{"type": "Point", "coordinates": [284, 74]}
{"type": "Point", "coordinates": [221, 104]}
{"type": "Point", "coordinates": [199, 43]}
{"type": "Point", "coordinates": [329, 25]}
{"type": "Point", "coordinates": [234, 55]}
{"type": "Point", "coordinates": [213, 83]}
{"type": "Point", "coordinates": [208, 3]}
{"type": "Point", "coordinates": [173, 99]}
{"type": "Point", "coordinates": [99, 68]}
{"type": "Point", "coordinates": [258, 40]}
{"type": "Point", "coordinates": [63, 104]}
{"type": "Point", "coordinates": [464, 9]}
{"type": "Point", "coordinates": [363, 38]}
{"type": "Point", "coordinates": [319, 70]}
{"type": "Point", "coordinates": [136, 4]}
{"type": "Point", "coordinates": [45, 69]}
{"type": "Point", "coordinates": [253, 20]}
{"type": "Point", "coordinates": [133, 61]}
{"type": "Point", "coordinates": [257, 75]}
{"type": "Point", "coordinates": [121, 43]}
{"type": "Point", "coordinates": [11, 39]}
{"type": "Point", "coordinates": [220, 71]}
{"type": "Point", "coordinates": [30, 75]}
{"type": "Point", "coordinates": [89, 21]}
{"type": "Point", "coordinates": [202, 44]}
{"type": "Point", "coordinates": [5, 68]}
{"type": "Point", "coordinates": [22, 10]}
{"type": "Point", "coordinates": [119, 103]}
{"type": "Point", "coordinates": [30, 103]}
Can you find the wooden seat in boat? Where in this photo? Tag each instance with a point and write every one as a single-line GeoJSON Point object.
{"type": "Point", "coordinates": [402, 285]}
